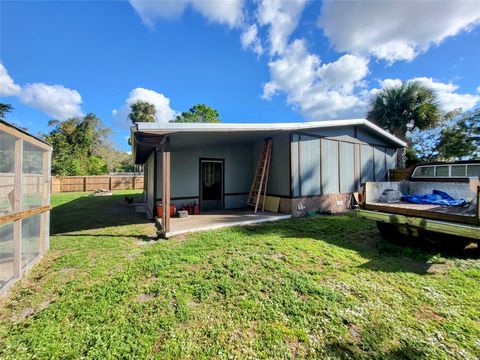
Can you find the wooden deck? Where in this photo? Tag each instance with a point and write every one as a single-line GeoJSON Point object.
{"type": "Point", "coordinates": [463, 214]}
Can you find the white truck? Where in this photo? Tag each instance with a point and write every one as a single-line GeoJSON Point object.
{"type": "Point", "coordinates": [381, 201]}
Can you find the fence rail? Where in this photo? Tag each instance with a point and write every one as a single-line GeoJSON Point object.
{"type": "Point", "coordinates": [92, 183]}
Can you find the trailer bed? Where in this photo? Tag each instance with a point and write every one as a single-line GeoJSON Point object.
{"type": "Point", "coordinates": [462, 214]}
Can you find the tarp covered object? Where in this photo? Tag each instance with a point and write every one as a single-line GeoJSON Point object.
{"type": "Point", "coordinates": [437, 197]}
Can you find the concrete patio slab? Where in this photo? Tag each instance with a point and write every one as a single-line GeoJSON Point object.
{"type": "Point", "coordinates": [219, 219]}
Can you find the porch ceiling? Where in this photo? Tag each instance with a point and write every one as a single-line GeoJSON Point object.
{"type": "Point", "coordinates": [145, 142]}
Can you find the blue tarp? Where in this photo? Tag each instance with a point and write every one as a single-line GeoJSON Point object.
{"type": "Point", "coordinates": [436, 198]}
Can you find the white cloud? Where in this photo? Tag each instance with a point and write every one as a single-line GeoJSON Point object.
{"type": "Point", "coordinates": [448, 97]}
{"type": "Point", "coordinates": [329, 90]}
{"type": "Point", "coordinates": [282, 17]}
{"type": "Point", "coordinates": [7, 85]}
{"type": "Point", "coordinates": [249, 39]}
{"type": "Point", "coordinates": [54, 100]}
{"type": "Point", "coordinates": [222, 11]}
{"type": "Point", "coordinates": [478, 89]}
{"type": "Point", "coordinates": [164, 113]}
{"type": "Point", "coordinates": [395, 30]}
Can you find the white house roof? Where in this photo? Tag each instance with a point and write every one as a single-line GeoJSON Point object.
{"type": "Point", "coordinates": [170, 128]}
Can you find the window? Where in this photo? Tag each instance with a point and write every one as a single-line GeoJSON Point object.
{"type": "Point", "coordinates": [458, 170]}
{"type": "Point", "coordinates": [441, 170]}
{"type": "Point", "coordinates": [423, 171]}
{"type": "Point", "coordinates": [473, 170]}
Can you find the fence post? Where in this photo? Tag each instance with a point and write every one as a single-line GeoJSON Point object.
{"type": "Point", "coordinates": [84, 184]}
{"type": "Point", "coordinates": [110, 183]}
{"type": "Point", "coordinates": [133, 182]}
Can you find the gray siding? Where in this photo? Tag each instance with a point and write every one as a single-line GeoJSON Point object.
{"type": "Point", "coordinates": [366, 163]}
{"type": "Point", "coordinates": [329, 164]}
{"type": "Point", "coordinates": [309, 149]}
{"type": "Point", "coordinates": [347, 167]}
{"type": "Point", "coordinates": [371, 138]}
{"type": "Point", "coordinates": [295, 175]}
{"type": "Point", "coordinates": [379, 161]}
{"type": "Point", "coordinates": [332, 161]}
{"type": "Point", "coordinates": [185, 172]}
{"type": "Point", "coordinates": [391, 158]}
{"type": "Point", "coordinates": [279, 178]}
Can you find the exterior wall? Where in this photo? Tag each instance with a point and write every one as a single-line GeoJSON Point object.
{"type": "Point", "coordinates": [279, 175]}
{"type": "Point", "coordinates": [328, 165]}
{"type": "Point", "coordinates": [185, 173]}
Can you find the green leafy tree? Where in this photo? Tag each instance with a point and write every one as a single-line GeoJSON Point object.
{"type": "Point", "coordinates": [4, 109]}
{"type": "Point", "coordinates": [142, 111]}
{"type": "Point", "coordinates": [461, 140]}
{"type": "Point", "coordinates": [404, 108]}
{"type": "Point", "coordinates": [199, 113]}
{"type": "Point", "coordinates": [75, 143]}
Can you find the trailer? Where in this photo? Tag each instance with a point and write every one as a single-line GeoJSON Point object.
{"type": "Point", "coordinates": [381, 202]}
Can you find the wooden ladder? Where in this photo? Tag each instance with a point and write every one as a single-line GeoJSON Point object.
{"type": "Point", "coordinates": [260, 179]}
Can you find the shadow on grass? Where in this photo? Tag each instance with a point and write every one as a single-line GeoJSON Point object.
{"type": "Point", "coordinates": [361, 235]}
{"type": "Point", "coordinates": [93, 212]}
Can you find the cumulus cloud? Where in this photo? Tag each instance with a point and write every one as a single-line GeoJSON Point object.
{"type": "Point", "coordinates": [55, 100]}
{"type": "Point", "coordinates": [249, 39]}
{"type": "Point", "coordinates": [7, 85]}
{"type": "Point", "coordinates": [164, 113]}
{"type": "Point", "coordinates": [395, 30]}
{"type": "Point", "coordinates": [282, 17]}
{"type": "Point", "coordinates": [227, 12]}
{"type": "Point", "coordinates": [329, 90]}
{"type": "Point", "coordinates": [448, 96]}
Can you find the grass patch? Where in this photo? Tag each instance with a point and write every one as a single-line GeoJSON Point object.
{"type": "Point", "coordinates": [323, 287]}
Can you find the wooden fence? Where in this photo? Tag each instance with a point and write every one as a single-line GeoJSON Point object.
{"type": "Point", "coordinates": [92, 183]}
{"type": "Point", "coordinates": [400, 174]}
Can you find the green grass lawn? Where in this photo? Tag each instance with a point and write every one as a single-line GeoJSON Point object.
{"type": "Point", "coordinates": [323, 287]}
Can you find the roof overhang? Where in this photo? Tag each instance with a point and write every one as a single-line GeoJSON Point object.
{"type": "Point", "coordinates": [148, 133]}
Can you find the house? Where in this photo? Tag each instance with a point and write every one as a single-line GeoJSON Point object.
{"type": "Point", "coordinates": [314, 165]}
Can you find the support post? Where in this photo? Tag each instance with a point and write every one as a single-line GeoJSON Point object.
{"type": "Point", "coordinates": [84, 184]}
{"type": "Point", "coordinates": [166, 185]}
{"type": "Point", "coordinates": [17, 207]}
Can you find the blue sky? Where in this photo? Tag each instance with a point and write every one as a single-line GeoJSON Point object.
{"type": "Point", "coordinates": [260, 61]}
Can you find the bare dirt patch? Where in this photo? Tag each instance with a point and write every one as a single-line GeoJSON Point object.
{"type": "Point", "coordinates": [426, 313]}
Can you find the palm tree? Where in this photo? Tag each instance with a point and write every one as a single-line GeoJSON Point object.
{"type": "Point", "coordinates": [408, 106]}
{"type": "Point", "coordinates": [4, 109]}
{"type": "Point", "coordinates": [142, 111]}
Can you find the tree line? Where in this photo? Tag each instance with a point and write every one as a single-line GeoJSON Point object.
{"type": "Point", "coordinates": [410, 111]}
{"type": "Point", "coordinates": [83, 145]}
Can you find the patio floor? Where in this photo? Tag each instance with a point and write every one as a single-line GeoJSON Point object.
{"type": "Point", "coordinates": [218, 219]}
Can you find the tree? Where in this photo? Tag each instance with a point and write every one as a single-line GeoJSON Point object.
{"type": "Point", "coordinates": [404, 108]}
{"type": "Point", "coordinates": [457, 138]}
{"type": "Point", "coordinates": [4, 109]}
{"type": "Point", "coordinates": [75, 142]}
{"type": "Point", "coordinates": [142, 111]}
{"type": "Point", "coordinates": [461, 140]}
{"type": "Point", "coordinates": [199, 113]}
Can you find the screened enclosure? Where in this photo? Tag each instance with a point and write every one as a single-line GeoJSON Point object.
{"type": "Point", "coordinates": [24, 202]}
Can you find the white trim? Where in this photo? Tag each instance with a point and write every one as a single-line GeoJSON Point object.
{"type": "Point", "coordinates": [168, 128]}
